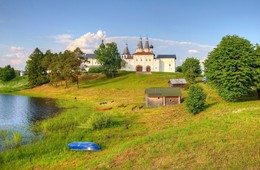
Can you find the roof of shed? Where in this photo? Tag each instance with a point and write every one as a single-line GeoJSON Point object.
{"type": "Point", "coordinates": [163, 91]}
{"type": "Point", "coordinates": [177, 81]}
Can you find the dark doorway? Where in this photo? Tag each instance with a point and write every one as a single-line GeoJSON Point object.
{"type": "Point", "coordinates": [148, 69]}
{"type": "Point", "coordinates": [139, 68]}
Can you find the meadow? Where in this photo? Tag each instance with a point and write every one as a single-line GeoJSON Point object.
{"type": "Point", "coordinates": [224, 136]}
{"type": "Point", "coordinates": [13, 85]}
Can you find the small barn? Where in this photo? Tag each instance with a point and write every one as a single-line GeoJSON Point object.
{"type": "Point", "coordinates": [181, 83]}
{"type": "Point", "coordinates": [162, 96]}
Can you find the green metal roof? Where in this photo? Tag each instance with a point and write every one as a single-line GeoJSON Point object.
{"type": "Point", "coordinates": [163, 91]}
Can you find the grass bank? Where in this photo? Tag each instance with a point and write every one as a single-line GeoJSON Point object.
{"type": "Point", "coordinates": [16, 84]}
{"type": "Point", "coordinates": [224, 136]}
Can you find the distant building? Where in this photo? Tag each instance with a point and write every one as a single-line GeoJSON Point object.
{"type": "Point", "coordinates": [181, 83]}
{"type": "Point", "coordinates": [143, 60]}
{"type": "Point", "coordinates": [91, 61]}
{"type": "Point", "coordinates": [21, 73]}
{"type": "Point", "coordinates": [162, 96]}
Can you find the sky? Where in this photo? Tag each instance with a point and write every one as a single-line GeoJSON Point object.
{"type": "Point", "coordinates": [187, 28]}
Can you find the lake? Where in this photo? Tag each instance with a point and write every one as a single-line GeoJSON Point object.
{"type": "Point", "coordinates": [18, 113]}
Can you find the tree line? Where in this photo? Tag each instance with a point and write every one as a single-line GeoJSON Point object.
{"type": "Point", "coordinates": [233, 68]}
{"type": "Point", "coordinates": [55, 68]}
{"type": "Point", "coordinates": [51, 67]}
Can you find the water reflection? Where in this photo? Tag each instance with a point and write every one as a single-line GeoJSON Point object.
{"type": "Point", "coordinates": [18, 112]}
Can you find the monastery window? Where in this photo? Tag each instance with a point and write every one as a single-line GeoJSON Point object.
{"type": "Point", "coordinates": [136, 59]}
{"type": "Point", "coordinates": [145, 59]}
{"type": "Point", "coordinates": [170, 65]}
{"type": "Point", "coordinates": [149, 59]}
{"type": "Point", "coordinates": [141, 59]}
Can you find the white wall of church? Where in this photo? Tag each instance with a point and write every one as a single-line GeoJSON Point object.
{"type": "Point", "coordinates": [156, 65]}
{"type": "Point", "coordinates": [92, 62]}
{"type": "Point", "coordinates": [167, 65]}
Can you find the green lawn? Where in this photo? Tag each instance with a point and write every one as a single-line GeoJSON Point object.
{"type": "Point", "coordinates": [224, 136]}
{"type": "Point", "coordinates": [15, 84]}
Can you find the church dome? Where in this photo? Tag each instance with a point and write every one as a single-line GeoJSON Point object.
{"type": "Point", "coordinates": [102, 45]}
{"type": "Point", "coordinates": [126, 50]}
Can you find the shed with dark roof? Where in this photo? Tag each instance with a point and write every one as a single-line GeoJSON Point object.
{"type": "Point", "coordinates": [177, 83]}
{"type": "Point", "coordinates": [162, 96]}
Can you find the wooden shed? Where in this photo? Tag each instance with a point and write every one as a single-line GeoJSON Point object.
{"type": "Point", "coordinates": [162, 96]}
{"type": "Point", "coordinates": [181, 83]}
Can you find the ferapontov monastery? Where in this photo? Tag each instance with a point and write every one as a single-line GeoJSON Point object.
{"type": "Point", "coordinates": [142, 60]}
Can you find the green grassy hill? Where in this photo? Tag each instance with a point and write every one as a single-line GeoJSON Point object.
{"type": "Point", "coordinates": [224, 136]}
{"type": "Point", "coordinates": [15, 84]}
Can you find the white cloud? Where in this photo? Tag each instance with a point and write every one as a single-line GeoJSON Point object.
{"type": "Point", "coordinates": [193, 51]}
{"type": "Point", "coordinates": [63, 38]}
{"type": "Point", "coordinates": [14, 56]}
{"type": "Point", "coordinates": [87, 42]}
{"type": "Point", "coordinates": [14, 48]}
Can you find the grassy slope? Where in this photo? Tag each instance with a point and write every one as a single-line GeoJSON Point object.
{"type": "Point", "coordinates": [225, 135]}
{"type": "Point", "coordinates": [15, 84]}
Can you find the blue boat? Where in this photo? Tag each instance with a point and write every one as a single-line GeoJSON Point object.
{"type": "Point", "coordinates": [86, 146]}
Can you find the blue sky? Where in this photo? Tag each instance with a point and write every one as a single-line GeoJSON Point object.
{"type": "Point", "coordinates": [182, 27]}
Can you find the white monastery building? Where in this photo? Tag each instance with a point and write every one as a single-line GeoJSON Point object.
{"type": "Point", "coordinates": [142, 60]}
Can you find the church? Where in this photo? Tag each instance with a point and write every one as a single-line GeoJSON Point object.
{"type": "Point", "coordinates": [143, 60]}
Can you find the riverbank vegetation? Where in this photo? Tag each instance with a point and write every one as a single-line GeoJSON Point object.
{"type": "Point", "coordinates": [16, 84]}
{"type": "Point", "coordinates": [224, 135]}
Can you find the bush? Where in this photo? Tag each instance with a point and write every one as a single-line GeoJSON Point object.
{"type": "Point", "coordinates": [7, 73]}
{"type": "Point", "coordinates": [179, 69]}
{"type": "Point", "coordinates": [17, 139]}
{"type": "Point", "coordinates": [196, 100]}
{"type": "Point", "coordinates": [98, 121]}
{"type": "Point", "coordinates": [95, 70]}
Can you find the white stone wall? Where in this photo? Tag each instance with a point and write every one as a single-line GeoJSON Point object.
{"type": "Point", "coordinates": [92, 62]}
{"type": "Point", "coordinates": [156, 65]}
{"type": "Point", "coordinates": [167, 65]}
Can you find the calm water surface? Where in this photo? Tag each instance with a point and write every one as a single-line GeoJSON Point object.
{"type": "Point", "coordinates": [17, 114]}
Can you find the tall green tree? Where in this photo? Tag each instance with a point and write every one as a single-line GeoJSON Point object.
{"type": "Point", "coordinates": [7, 73]}
{"type": "Point", "coordinates": [75, 64]}
{"type": "Point", "coordinates": [256, 66]}
{"type": "Point", "coordinates": [229, 67]}
{"type": "Point", "coordinates": [37, 75]}
{"type": "Point", "coordinates": [69, 66]}
{"type": "Point", "coordinates": [109, 58]}
{"type": "Point", "coordinates": [50, 63]}
{"type": "Point", "coordinates": [191, 69]}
